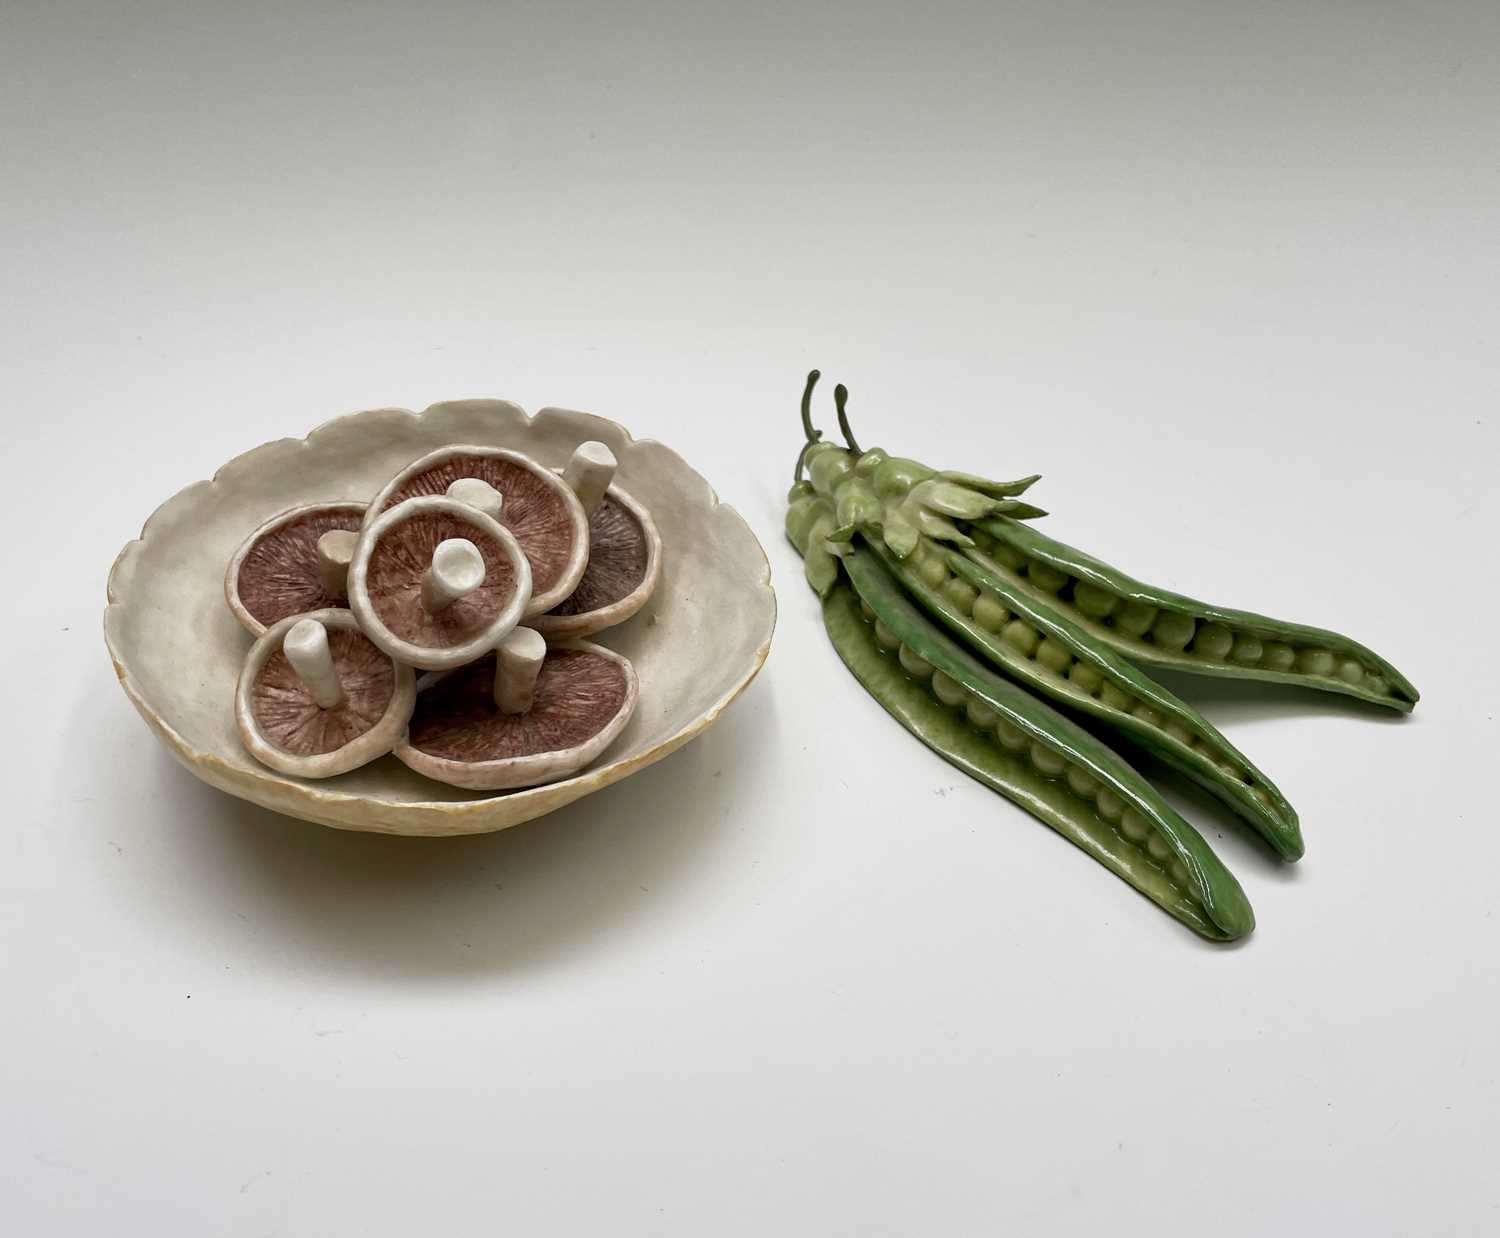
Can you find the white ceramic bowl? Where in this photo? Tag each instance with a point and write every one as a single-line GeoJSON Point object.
{"type": "Point", "coordinates": [695, 646]}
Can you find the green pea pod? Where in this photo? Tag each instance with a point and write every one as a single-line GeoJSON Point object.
{"type": "Point", "coordinates": [1043, 650]}
{"type": "Point", "coordinates": [1155, 627]}
{"type": "Point", "coordinates": [1024, 749]}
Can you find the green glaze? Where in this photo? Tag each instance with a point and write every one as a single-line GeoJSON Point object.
{"type": "Point", "coordinates": [802, 504]}
{"type": "Point", "coordinates": [827, 464]}
{"type": "Point", "coordinates": [1148, 625]}
{"type": "Point", "coordinates": [904, 498]}
{"type": "Point", "coordinates": [1026, 750]}
{"type": "Point", "coordinates": [857, 506]}
{"type": "Point", "coordinates": [1040, 648]}
{"type": "Point", "coordinates": [809, 521]}
{"type": "Point", "coordinates": [903, 555]}
{"type": "Point", "coordinates": [1219, 641]}
{"type": "Point", "coordinates": [895, 476]}
{"type": "Point", "coordinates": [995, 489]}
{"type": "Point", "coordinates": [1043, 650]}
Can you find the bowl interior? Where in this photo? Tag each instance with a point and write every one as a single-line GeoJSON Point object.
{"type": "Point", "coordinates": [178, 650]}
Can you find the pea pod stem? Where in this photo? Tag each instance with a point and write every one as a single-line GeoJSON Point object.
{"type": "Point", "coordinates": [802, 460]}
{"type": "Point", "coordinates": [840, 401]}
{"type": "Point", "coordinates": [809, 434]}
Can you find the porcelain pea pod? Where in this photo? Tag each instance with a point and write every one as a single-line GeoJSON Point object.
{"type": "Point", "coordinates": [1153, 626]}
{"type": "Point", "coordinates": [1016, 745]}
{"type": "Point", "coordinates": [1009, 741]}
{"type": "Point", "coordinates": [1149, 625]}
{"type": "Point", "coordinates": [1042, 649]}
{"type": "Point", "coordinates": [958, 586]}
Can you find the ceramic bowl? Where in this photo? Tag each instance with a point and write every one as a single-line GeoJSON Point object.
{"type": "Point", "coordinates": [695, 646]}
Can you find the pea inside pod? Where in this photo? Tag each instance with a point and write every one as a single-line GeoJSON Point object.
{"type": "Point", "coordinates": [930, 556]}
{"type": "Point", "coordinates": [1029, 752]}
{"type": "Point", "coordinates": [1156, 627]}
{"type": "Point", "coordinates": [1149, 625]}
{"type": "Point", "coordinates": [1036, 646]}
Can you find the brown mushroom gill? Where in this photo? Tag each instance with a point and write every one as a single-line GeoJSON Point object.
{"type": "Point", "coordinates": [618, 558]}
{"type": "Point", "coordinates": [288, 716]}
{"type": "Point", "coordinates": [531, 509]}
{"type": "Point", "coordinates": [279, 576]}
{"type": "Point", "coordinates": [577, 694]}
{"type": "Point", "coordinates": [394, 582]}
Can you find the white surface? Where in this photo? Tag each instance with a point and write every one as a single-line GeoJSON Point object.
{"type": "Point", "coordinates": [1227, 280]}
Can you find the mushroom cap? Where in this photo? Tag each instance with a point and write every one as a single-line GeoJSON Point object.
{"type": "Point", "coordinates": [282, 725]}
{"type": "Point", "coordinates": [275, 573]}
{"type": "Point", "coordinates": [385, 584]}
{"type": "Point", "coordinates": [538, 507]}
{"type": "Point", "coordinates": [583, 698]}
{"type": "Point", "coordinates": [622, 573]}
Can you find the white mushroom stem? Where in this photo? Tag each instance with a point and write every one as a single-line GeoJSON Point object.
{"type": "Point", "coordinates": [517, 664]}
{"type": "Point", "coordinates": [477, 493]}
{"type": "Point", "coordinates": [457, 570]}
{"type": "Point", "coordinates": [335, 549]}
{"type": "Point", "coordinates": [306, 648]}
{"type": "Point", "coordinates": [589, 472]}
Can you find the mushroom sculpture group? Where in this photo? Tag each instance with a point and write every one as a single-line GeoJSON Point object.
{"type": "Point", "coordinates": [476, 565]}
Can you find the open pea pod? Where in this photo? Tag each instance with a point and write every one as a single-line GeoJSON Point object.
{"type": "Point", "coordinates": [1155, 627]}
{"type": "Point", "coordinates": [1023, 748]}
{"type": "Point", "coordinates": [1043, 650]}
{"type": "Point", "coordinates": [1149, 625]}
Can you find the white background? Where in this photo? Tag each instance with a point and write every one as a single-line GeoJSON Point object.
{"type": "Point", "coordinates": [1226, 274]}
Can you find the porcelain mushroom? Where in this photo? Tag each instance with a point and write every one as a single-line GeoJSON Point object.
{"type": "Point", "coordinates": [530, 713]}
{"type": "Point", "coordinates": [294, 563]}
{"type": "Point", "coordinates": [536, 505]}
{"type": "Point", "coordinates": [317, 698]}
{"type": "Point", "coordinates": [624, 552]}
{"type": "Point", "coordinates": [436, 583]}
